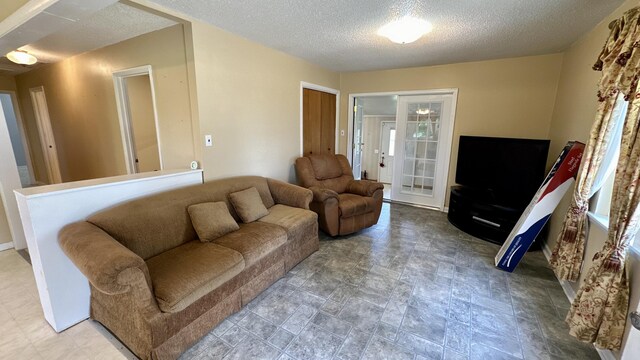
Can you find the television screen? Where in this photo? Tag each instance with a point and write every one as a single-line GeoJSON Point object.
{"type": "Point", "coordinates": [508, 170]}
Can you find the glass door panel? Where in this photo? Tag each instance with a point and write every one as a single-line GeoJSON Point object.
{"type": "Point", "coordinates": [424, 125]}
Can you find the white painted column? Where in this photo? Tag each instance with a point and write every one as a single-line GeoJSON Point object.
{"type": "Point", "coordinates": [64, 291]}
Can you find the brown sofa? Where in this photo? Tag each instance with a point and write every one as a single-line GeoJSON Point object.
{"type": "Point", "coordinates": [158, 288]}
{"type": "Point", "coordinates": [343, 205]}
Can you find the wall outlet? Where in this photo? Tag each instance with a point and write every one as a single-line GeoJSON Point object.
{"type": "Point", "coordinates": [208, 140]}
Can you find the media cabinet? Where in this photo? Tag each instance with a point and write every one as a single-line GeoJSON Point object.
{"type": "Point", "coordinates": [479, 214]}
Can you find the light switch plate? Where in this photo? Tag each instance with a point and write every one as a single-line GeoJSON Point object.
{"type": "Point", "coordinates": [208, 140]}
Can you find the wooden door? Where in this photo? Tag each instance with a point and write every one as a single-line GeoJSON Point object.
{"type": "Point", "coordinates": [318, 122]}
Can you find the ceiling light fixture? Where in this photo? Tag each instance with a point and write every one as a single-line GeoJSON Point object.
{"type": "Point", "coordinates": [22, 57]}
{"type": "Point", "coordinates": [406, 30]}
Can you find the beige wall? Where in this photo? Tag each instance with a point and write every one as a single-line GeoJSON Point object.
{"type": "Point", "coordinates": [10, 6]}
{"type": "Point", "coordinates": [573, 116]}
{"type": "Point", "coordinates": [508, 98]}
{"type": "Point", "coordinates": [81, 99]}
{"type": "Point", "coordinates": [249, 100]}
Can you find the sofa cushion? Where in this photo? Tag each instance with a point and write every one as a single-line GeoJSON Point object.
{"type": "Point", "coordinates": [211, 220]}
{"type": "Point", "coordinates": [294, 220]}
{"type": "Point", "coordinates": [351, 204]}
{"type": "Point", "coordinates": [184, 274]}
{"type": "Point", "coordinates": [248, 205]}
{"type": "Point", "coordinates": [254, 240]}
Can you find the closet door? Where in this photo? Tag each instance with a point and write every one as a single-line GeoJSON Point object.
{"type": "Point", "coordinates": [318, 122]}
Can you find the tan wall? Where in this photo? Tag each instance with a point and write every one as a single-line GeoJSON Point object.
{"type": "Point", "coordinates": [508, 98]}
{"type": "Point", "coordinates": [143, 122]}
{"type": "Point", "coordinates": [7, 84]}
{"type": "Point", "coordinates": [81, 99]}
{"type": "Point", "coordinates": [249, 100]}
{"type": "Point", "coordinates": [572, 119]}
{"type": "Point", "coordinates": [10, 6]}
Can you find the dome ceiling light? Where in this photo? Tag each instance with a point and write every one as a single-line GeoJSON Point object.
{"type": "Point", "coordinates": [406, 30]}
{"type": "Point", "coordinates": [22, 57]}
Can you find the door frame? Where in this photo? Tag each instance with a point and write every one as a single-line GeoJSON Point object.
{"type": "Point", "coordinates": [336, 92]}
{"type": "Point", "coordinates": [124, 114]}
{"type": "Point", "coordinates": [45, 131]}
{"type": "Point", "coordinates": [23, 133]}
{"type": "Point", "coordinates": [444, 91]}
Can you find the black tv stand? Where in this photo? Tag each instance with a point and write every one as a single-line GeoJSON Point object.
{"type": "Point", "coordinates": [478, 213]}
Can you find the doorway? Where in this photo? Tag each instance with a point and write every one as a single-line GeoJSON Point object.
{"type": "Point", "coordinates": [11, 232]}
{"type": "Point", "coordinates": [371, 143]}
{"type": "Point", "coordinates": [47, 140]}
{"type": "Point", "coordinates": [138, 119]}
{"type": "Point", "coordinates": [18, 138]}
{"type": "Point", "coordinates": [414, 146]}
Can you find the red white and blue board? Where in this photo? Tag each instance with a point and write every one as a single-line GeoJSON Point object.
{"type": "Point", "coordinates": [536, 215]}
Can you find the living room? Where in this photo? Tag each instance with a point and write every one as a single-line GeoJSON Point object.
{"type": "Point", "coordinates": [248, 97]}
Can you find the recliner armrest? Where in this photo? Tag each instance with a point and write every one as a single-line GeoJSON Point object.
{"type": "Point", "coordinates": [364, 188]}
{"type": "Point", "coordinates": [323, 194]}
{"type": "Point", "coordinates": [109, 266]}
{"type": "Point", "coordinates": [288, 194]}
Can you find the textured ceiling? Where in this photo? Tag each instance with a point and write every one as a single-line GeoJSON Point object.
{"type": "Point", "coordinates": [111, 25]}
{"type": "Point", "coordinates": [341, 34]}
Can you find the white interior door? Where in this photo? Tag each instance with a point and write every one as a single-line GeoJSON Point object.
{"type": "Point", "coordinates": [424, 130]}
{"type": "Point", "coordinates": [357, 142]}
{"type": "Point", "coordinates": [47, 140]}
{"type": "Point", "coordinates": [387, 151]}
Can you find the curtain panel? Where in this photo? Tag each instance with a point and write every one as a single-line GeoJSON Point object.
{"type": "Point", "coordinates": [599, 311]}
{"type": "Point", "coordinates": [618, 74]}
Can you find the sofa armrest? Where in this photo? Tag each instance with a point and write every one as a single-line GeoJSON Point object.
{"type": "Point", "coordinates": [364, 188]}
{"type": "Point", "coordinates": [323, 194]}
{"type": "Point", "coordinates": [109, 266]}
{"type": "Point", "coordinates": [289, 194]}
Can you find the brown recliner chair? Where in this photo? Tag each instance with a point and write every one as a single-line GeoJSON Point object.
{"type": "Point", "coordinates": [343, 205]}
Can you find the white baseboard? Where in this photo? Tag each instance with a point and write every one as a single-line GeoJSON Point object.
{"type": "Point", "coordinates": [566, 286]}
{"type": "Point", "coordinates": [6, 246]}
{"type": "Point", "coordinates": [571, 294]}
{"type": "Point", "coordinates": [606, 354]}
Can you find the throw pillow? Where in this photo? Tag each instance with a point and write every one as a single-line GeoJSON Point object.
{"type": "Point", "coordinates": [211, 220]}
{"type": "Point", "coordinates": [248, 205]}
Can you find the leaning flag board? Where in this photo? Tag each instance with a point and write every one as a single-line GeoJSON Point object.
{"type": "Point", "coordinates": [536, 215]}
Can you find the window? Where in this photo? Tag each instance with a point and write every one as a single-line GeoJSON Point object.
{"type": "Point", "coordinates": [392, 142]}
{"type": "Point", "coordinates": [601, 201]}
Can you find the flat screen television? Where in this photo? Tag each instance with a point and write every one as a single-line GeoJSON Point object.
{"type": "Point", "coordinates": [507, 170]}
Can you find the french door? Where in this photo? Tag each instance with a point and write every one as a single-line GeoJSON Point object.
{"type": "Point", "coordinates": [424, 130]}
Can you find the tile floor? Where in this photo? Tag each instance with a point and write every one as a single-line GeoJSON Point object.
{"type": "Point", "coordinates": [411, 287]}
{"type": "Point", "coordinates": [25, 334]}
